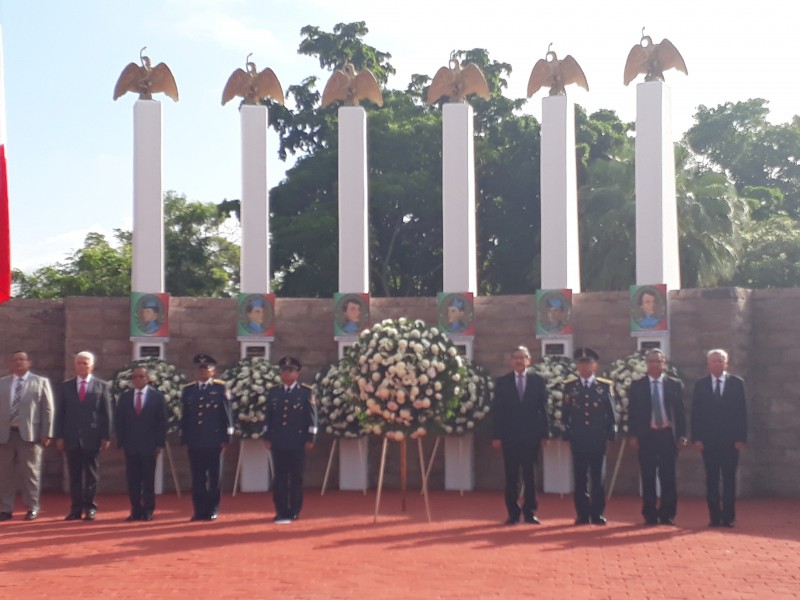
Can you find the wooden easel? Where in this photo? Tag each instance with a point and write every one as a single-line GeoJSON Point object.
{"type": "Point", "coordinates": [403, 476]}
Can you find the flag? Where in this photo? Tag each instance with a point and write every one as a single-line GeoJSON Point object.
{"type": "Point", "coordinates": [5, 228]}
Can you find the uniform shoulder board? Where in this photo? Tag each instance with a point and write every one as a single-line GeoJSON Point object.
{"type": "Point", "coordinates": [305, 385]}
{"type": "Point", "coordinates": [219, 381]}
{"type": "Point", "coordinates": [186, 385]}
{"type": "Point", "coordinates": [570, 379]}
{"type": "Point", "coordinates": [604, 380]}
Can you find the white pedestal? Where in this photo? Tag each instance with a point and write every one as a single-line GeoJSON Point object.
{"type": "Point", "coordinates": [557, 466]}
{"type": "Point", "coordinates": [353, 201]}
{"type": "Point", "coordinates": [160, 473]}
{"type": "Point", "coordinates": [657, 259]}
{"type": "Point", "coordinates": [559, 186]}
{"type": "Point", "coordinates": [459, 462]}
{"type": "Point", "coordinates": [255, 475]}
{"type": "Point", "coordinates": [147, 262]}
{"type": "Point", "coordinates": [254, 260]}
{"type": "Point", "coordinates": [353, 464]}
{"type": "Point", "coordinates": [458, 199]}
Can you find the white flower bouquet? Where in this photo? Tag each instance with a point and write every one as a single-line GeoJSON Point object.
{"type": "Point", "coordinates": [624, 371]}
{"type": "Point", "coordinates": [164, 377]}
{"type": "Point", "coordinates": [460, 414]}
{"type": "Point", "coordinates": [248, 381]}
{"type": "Point", "coordinates": [555, 370]}
{"type": "Point", "coordinates": [337, 409]}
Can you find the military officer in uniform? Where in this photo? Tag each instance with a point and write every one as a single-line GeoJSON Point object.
{"type": "Point", "coordinates": [590, 426]}
{"type": "Point", "coordinates": [206, 429]}
{"type": "Point", "coordinates": [289, 431]}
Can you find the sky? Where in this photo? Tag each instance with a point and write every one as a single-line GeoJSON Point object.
{"type": "Point", "coordinates": [70, 146]}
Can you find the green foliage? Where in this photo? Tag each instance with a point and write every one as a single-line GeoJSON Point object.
{"type": "Point", "coordinates": [200, 260]}
{"type": "Point", "coordinates": [770, 254]}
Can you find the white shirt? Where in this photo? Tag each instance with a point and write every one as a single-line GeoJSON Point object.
{"type": "Point", "coordinates": [144, 396]}
{"type": "Point", "coordinates": [722, 379]}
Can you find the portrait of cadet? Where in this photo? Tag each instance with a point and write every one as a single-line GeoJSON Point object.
{"type": "Point", "coordinates": [650, 309]}
{"type": "Point", "coordinates": [83, 428]}
{"type": "Point", "coordinates": [657, 429]}
{"type": "Point", "coordinates": [457, 320]}
{"type": "Point", "coordinates": [553, 312]}
{"type": "Point", "coordinates": [519, 419]}
{"type": "Point", "coordinates": [206, 430]}
{"type": "Point", "coordinates": [149, 314]}
{"type": "Point", "coordinates": [719, 431]}
{"type": "Point", "coordinates": [254, 309]}
{"type": "Point", "coordinates": [289, 432]}
{"type": "Point", "coordinates": [351, 316]}
{"type": "Point", "coordinates": [26, 427]}
{"type": "Point", "coordinates": [140, 424]}
{"type": "Point", "coordinates": [590, 426]}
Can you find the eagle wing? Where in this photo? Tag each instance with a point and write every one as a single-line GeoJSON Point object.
{"type": "Point", "coordinates": [336, 88]}
{"type": "Point", "coordinates": [540, 77]}
{"type": "Point", "coordinates": [473, 82]}
{"type": "Point", "coordinates": [128, 80]}
{"type": "Point", "coordinates": [366, 86]}
{"type": "Point", "coordinates": [161, 80]}
{"type": "Point", "coordinates": [266, 85]}
{"type": "Point", "coordinates": [571, 72]}
{"type": "Point", "coordinates": [669, 57]}
{"type": "Point", "coordinates": [636, 63]}
{"type": "Point", "coordinates": [442, 85]}
{"type": "Point", "coordinates": [236, 86]}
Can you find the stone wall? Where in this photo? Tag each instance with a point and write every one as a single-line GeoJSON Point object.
{"type": "Point", "coordinates": [752, 325]}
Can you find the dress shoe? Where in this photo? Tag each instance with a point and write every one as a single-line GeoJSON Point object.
{"type": "Point", "coordinates": [196, 517]}
{"type": "Point", "coordinates": [32, 515]}
{"type": "Point", "coordinates": [599, 520]}
{"type": "Point", "coordinates": [582, 521]}
{"type": "Point", "coordinates": [666, 521]}
{"type": "Point", "coordinates": [213, 516]}
{"type": "Point", "coordinates": [73, 516]}
{"type": "Point", "coordinates": [132, 518]}
{"type": "Point", "coordinates": [90, 515]}
{"type": "Point", "coordinates": [5, 516]}
{"type": "Point", "coordinates": [148, 516]}
{"type": "Point", "coordinates": [511, 521]}
{"type": "Point", "coordinates": [728, 524]}
{"type": "Point", "coordinates": [651, 521]}
{"type": "Point", "coordinates": [532, 520]}
{"type": "Point", "coordinates": [714, 523]}
{"type": "Point", "coordinates": [282, 520]}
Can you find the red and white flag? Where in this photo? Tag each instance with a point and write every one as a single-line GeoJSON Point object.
{"type": "Point", "coordinates": [5, 227]}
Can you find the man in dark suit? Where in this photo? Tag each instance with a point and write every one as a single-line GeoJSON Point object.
{"type": "Point", "coordinates": [589, 426]}
{"type": "Point", "coordinates": [206, 429]}
{"type": "Point", "coordinates": [289, 431]}
{"type": "Point", "coordinates": [519, 416]}
{"type": "Point", "coordinates": [657, 428]}
{"type": "Point", "coordinates": [83, 428]}
{"type": "Point", "coordinates": [140, 422]}
{"type": "Point", "coordinates": [719, 431]}
{"type": "Point", "coordinates": [26, 427]}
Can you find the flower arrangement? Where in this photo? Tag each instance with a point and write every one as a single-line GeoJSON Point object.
{"type": "Point", "coordinates": [337, 410]}
{"type": "Point", "coordinates": [402, 379]}
{"type": "Point", "coordinates": [248, 381]}
{"type": "Point", "coordinates": [164, 377]}
{"type": "Point", "coordinates": [624, 371]}
{"type": "Point", "coordinates": [459, 415]}
{"type": "Point", "coordinates": [555, 370]}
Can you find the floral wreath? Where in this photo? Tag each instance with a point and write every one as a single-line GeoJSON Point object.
{"type": "Point", "coordinates": [337, 410]}
{"type": "Point", "coordinates": [248, 381]}
{"type": "Point", "coordinates": [164, 377]}
{"type": "Point", "coordinates": [555, 370]}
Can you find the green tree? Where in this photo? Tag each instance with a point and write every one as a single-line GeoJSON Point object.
{"type": "Point", "coordinates": [200, 260]}
{"type": "Point", "coordinates": [770, 255]}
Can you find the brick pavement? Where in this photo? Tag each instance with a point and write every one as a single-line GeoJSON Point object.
{"type": "Point", "coordinates": [335, 551]}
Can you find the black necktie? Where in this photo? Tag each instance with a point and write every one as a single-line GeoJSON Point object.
{"type": "Point", "coordinates": [718, 389]}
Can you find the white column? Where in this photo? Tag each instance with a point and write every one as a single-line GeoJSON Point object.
{"type": "Point", "coordinates": [657, 259]}
{"type": "Point", "coordinates": [560, 252]}
{"type": "Point", "coordinates": [353, 201]}
{"type": "Point", "coordinates": [458, 199]}
{"type": "Point", "coordinates": [254, 260]}
{"type": "Point", "coordinates": [147, 273]}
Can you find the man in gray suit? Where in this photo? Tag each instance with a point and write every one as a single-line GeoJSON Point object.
{"type": "Point", "coordinates": [26, 427]}
{"type": "Point", "coordinates": [83, 428]}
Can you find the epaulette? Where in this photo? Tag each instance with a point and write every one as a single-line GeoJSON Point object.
{"type": "Point", "coordinates": [185, 385]}
{"type": "Point", "coordinates": [305, 385]}
{"type": "Point", "coordinates": [570, 379]}
{"type": "Point", "coordinates": [604, 380]}
{"type": "Point", "coordinates": [219, 381]}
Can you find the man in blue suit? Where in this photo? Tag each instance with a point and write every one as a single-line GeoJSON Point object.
{"type": "Point", "coordinates": [140, 422]}
{"type": "Point", "coordinates": [83, 428]}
